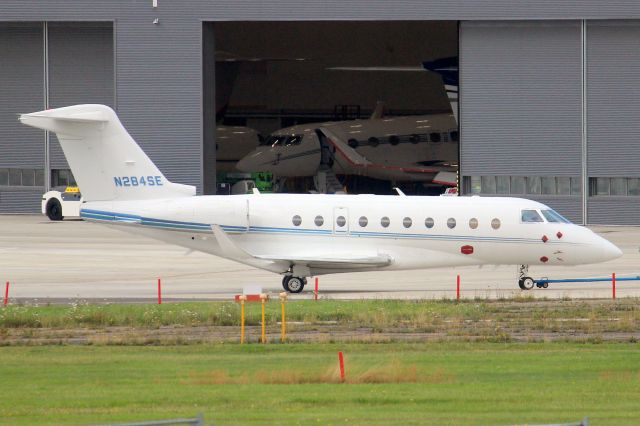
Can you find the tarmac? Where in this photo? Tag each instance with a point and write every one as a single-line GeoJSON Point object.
{"type": "Point", "coordinates": [73, 260]}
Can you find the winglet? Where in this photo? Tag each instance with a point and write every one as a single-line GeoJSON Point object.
{"type": "Point", "coordinates": [378, 111]}
{"type": "Point", "coordinates": [230, 249]}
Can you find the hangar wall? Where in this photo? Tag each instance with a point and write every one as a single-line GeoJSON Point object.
{"type": "Point", "coordinates": [613, 125]}
{"type": "Point", "coordinates": [21, 89]}
{"type": "Point", "coordinates": [549, 111]}
{"type": "Point", "coordinates": [520, 110]}
{"type": "Point", "coordinates": [158, 75]}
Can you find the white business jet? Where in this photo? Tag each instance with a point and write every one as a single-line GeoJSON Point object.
{"type": "Point", "coordinates": [412, 148]}
{"type": "Point", "coordinates": [300, 235]}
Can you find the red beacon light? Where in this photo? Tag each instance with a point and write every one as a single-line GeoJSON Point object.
{"type": "Point", "coordinates": [466, 249]}
{"type": "Point", "coordinates": [545, 238]}
{"type": "Point", "coordinates": [559, 235]}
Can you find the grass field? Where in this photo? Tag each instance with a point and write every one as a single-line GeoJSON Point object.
{"type": "Point", "coordinates": [523, 320]}
{"type": "Point", "coordinates": [439, 384]}
{"type": "Point", "coordinates": [92, 364]}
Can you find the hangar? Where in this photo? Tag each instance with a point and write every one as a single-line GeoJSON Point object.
{"type": "Point", "coordinates": [548, 90]}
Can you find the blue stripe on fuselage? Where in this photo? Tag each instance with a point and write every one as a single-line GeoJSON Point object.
{"type": "Point", "coordinates": [124, 218]}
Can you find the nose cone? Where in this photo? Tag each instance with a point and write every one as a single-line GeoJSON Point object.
{"type": "Point", "coordinates": [252, 162]}
{"type": "Point", "coordinates": [610, 251]}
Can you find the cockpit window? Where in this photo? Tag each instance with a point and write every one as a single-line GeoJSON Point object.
{"type": "Point", "coordinates": [531, 216]}
{"type": "Point", "coordinates": [554, 216]}
{"type": "Point", "coordinates": [281, 140]}
{"type": "Point", "coordinates": [293, 140]}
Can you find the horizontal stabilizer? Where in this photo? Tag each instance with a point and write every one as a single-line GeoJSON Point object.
{"type": "Point", "coordinates": [105, 160]}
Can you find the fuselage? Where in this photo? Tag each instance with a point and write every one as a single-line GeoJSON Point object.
{"type": "Point", "coordinates": [414, 232]}
{"type": "Point", "coordinates": [395, 144]}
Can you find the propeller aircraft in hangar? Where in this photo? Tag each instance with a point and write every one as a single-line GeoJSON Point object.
{"type": "Point", "coordinates": [301, 235]}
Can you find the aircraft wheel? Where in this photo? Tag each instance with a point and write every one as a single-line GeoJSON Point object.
{"type": "Point", "coordinates": [527, 283]}
{"type": "Point", "coordinates": [545, 285]}
{"type": "Point", "coordinates": [520, 284]}
{"type": "Point", "coordinates": [285, 280]}
{"type": "Point", "coordinates": [293, 284]}
{"type": "Point", "coordinates": [54, 210]}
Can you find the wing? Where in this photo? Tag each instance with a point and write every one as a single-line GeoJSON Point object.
{"type": "Point", "coordinates": [284, 261]}
{"type": "Point", "coordinates": [320, 261]}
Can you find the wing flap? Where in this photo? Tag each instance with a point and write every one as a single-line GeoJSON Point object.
{"type": "Point", "coordinates": [333, 260]}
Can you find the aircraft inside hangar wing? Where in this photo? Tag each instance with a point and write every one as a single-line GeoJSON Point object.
{"type": "Point", "coordinates": [411, 148]}
{"type": "Point", "coordinates": [301, 235]}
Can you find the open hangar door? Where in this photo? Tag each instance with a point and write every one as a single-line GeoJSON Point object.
{"type": "Point", "coordinates": [331, 106]}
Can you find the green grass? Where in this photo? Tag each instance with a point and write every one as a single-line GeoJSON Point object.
{"type": "Point", "coordinates": [440, 384]}
{"type": "Point", "coordinates": [372, 313]}
{"type": "Point", "coordinates": [523, 320]}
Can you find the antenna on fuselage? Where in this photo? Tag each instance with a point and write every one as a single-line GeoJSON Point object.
{"type": "Point", "coordinates": [399, 191]}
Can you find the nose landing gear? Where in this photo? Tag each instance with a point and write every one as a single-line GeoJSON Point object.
{"type": "Point", "coordinates": [293, 284]}
{"type": "Point", "coordinates": [525, 282]}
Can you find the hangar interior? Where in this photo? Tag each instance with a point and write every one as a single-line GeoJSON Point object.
{"type": "Point", "coordinates": [273, 75]}
{"type": "Point", "coordinates": [548, 107]}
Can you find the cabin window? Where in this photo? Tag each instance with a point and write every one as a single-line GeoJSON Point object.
{"type": "Point", "coordinates": [363, 221]}
{"type": "Point", "coordinates": [394, 140]}
{"type": "Point", "coordinates": [531, 216]}
{"type": "Point", "coordinates": [319, 220]}
{"type": "Point", "coordinates": [297, 220]}
{"type": "Point", "coordinates": [406, 222]}
{"type": "Point", "coordinates": [434, 137]}
{"type": "Point", "coordinates": [353, 143]}
{"type": "Point", "coordinates": [414, 139]}
{"type": "Point", "coordinates": [385, 222]}
{"type": "Point", "coordinates": [428, 222]}
{"type": "Point", "coordinates": [454, 136]}
{"type": "Point", "coordinates": [451, 223]}
{"type": "Point", "coordinates": [495, 223]}
{"type": "Point", "coordinates": [473, 223]}
{"type": "Point", "coordinates": [341, 221]}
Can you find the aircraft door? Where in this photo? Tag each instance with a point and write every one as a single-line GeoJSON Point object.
{"type": "Point", "coordinates": [248, 221]}
{"type": "Point", "coordinates": [340, 221]}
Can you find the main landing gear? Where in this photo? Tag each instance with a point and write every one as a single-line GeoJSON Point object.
{"type": "Point", "coordinates": [293, 284]}
{"type": "Point", "coordinates": [525, 282]}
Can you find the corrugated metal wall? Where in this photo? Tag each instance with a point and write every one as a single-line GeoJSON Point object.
{"type": "Point", "coordinates": [21, 90]}
{"type": "Point", "coordinates": [80, 70]}
{"type": "Point", "coordinates": [520, 110]}
{"type": "Point", "coordinates": [613, 109]}
{"type": "Point", "coordinates": [159, 86]}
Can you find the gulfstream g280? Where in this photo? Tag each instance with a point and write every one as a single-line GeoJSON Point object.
{"type": "Point", "coordinates": [300, 235]}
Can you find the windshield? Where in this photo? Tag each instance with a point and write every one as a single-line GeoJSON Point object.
{"type": "Point", "coordinates": [281, 140]}
{"type": "Point", "coordinates": [531, 216]}
{"type": "Point", "coordinates": [554, 216]}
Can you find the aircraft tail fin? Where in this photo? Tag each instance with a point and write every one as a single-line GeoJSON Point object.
{"type": "Point", "coordinates": [105, 160]}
